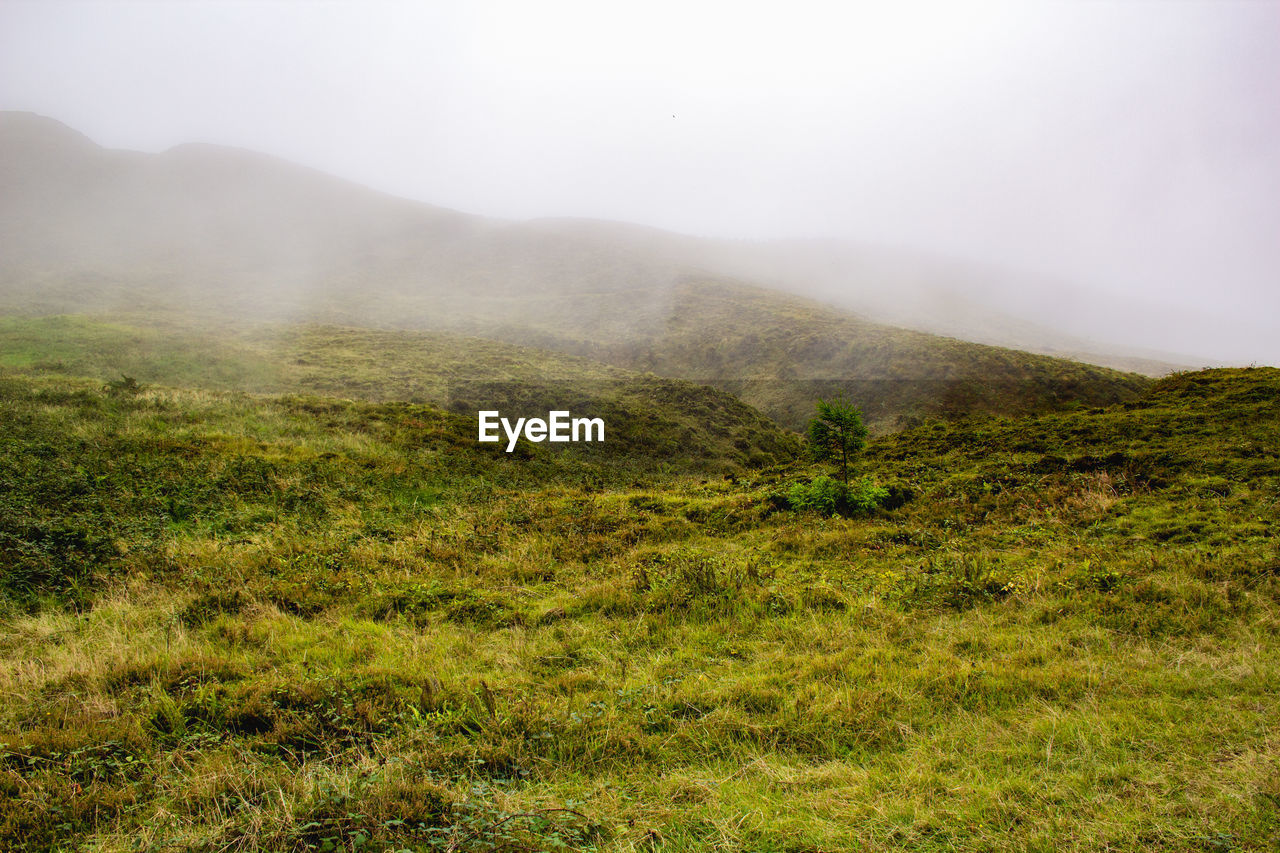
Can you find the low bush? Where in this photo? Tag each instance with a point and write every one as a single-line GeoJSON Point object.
{"type": "Point", "coordinates": [829, 496]}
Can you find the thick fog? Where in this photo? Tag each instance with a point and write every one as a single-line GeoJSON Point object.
{"type": "Point", "coordinates": [1117, 162]}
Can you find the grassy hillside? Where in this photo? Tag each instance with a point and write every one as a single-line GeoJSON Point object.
{"type": "Point", "coordinates": [246, 624]}
{"type": "Point", "coordinates": [780, 361]}
{"type": "Point", "coordinates": [781, 353]}
{"type": "Point", "coordinates": [352, 362]}
{"type": "Point", "coordinates": [661, 420]}
{"type": "Point", "coordinates": [202, 234]}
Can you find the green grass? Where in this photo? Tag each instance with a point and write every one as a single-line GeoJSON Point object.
{"type": "Point", "coordinates": [777, 354]}
{"type": "Point", "coordinates": [645, 416]}
{"type": "Point", "coordinates": [337, 361]}
{"type": "Point", "coordinates": [247, 623]}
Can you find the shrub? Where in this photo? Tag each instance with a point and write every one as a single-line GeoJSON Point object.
{"type": "Point", "coordinates": [828, 496]}
{"type": "Point", "coordinates": [864, 495]}
{"type": "Point", "coordinates": [822, 495]}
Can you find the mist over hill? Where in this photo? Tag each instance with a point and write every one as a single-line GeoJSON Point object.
{"type": "Point", "coordinates": [952, 297]}
{"type": "Point", "coordinates": [201, 231]}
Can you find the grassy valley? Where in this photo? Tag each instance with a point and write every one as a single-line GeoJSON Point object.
{"type": "Point", "coordinates": [241, 622]}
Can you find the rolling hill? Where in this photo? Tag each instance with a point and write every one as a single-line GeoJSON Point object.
{"type": "Point", "coordinates": [781, 353]}
{"type": "Point", "coordinates": [231, 236]}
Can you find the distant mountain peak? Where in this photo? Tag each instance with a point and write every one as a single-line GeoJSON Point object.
{"type": "Point", "coordinates": [18, 127]}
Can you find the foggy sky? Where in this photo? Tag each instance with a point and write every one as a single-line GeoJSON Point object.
{"type": "Point", "coordinates": [1130, 147]}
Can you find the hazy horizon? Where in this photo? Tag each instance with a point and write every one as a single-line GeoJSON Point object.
{"type": "Point", "coordinates": [1130, 149]}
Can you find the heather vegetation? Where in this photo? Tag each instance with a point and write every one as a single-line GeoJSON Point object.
{"type": "Point", "coordinates": [322, 618]}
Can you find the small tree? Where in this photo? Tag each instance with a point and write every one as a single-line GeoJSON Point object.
{"type": "Point", "coordinates": [837, 432]}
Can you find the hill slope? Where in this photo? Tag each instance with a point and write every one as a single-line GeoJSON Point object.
{"type": "Point", "coordinates": [963, 299]}
{"type": "Point", "coordinates": [217, 233]}
{"type": "Point", "coordinates": [650, 421]}
{"type": "Point", "coordinates": [783, 353]}
{"type": "Point", "coordinates": [285, 625]}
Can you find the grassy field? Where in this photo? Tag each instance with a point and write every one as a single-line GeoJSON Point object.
{"type": "Point", "coordinates": [238, 622]}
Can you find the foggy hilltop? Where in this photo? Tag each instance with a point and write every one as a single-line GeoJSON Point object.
{"type": "Point", "coordinates": [210, 232]}
{"type": "Point", "coordinates": [276, 238]}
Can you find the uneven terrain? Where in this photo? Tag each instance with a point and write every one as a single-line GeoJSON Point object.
{"type": "Point", "coordinates": [245, 622]}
